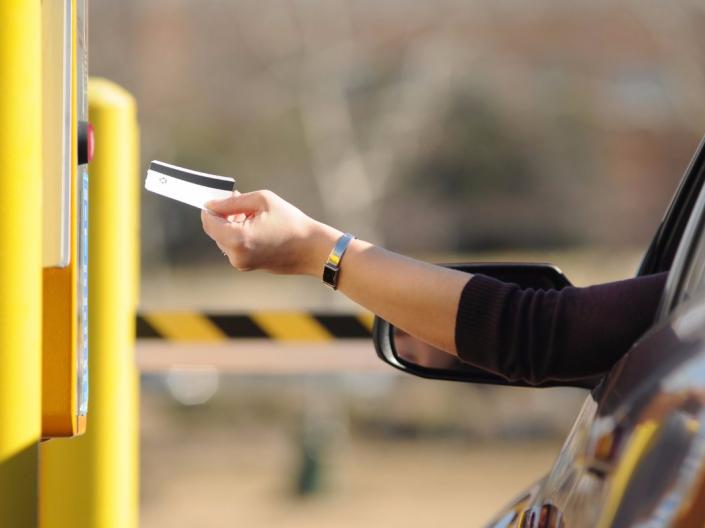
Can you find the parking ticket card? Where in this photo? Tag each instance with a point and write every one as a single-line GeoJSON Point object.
{"type": "Point", "coordinates": [186, 185]}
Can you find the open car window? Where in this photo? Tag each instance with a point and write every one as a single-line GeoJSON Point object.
{"type": "Point", "coordinates": [687, 277]}
{"type": "Point", "coordinates": [687, 280]}
{"type": "Point", "coordinates": [661, 253]}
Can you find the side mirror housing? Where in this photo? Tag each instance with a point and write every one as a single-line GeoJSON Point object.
{"type": "Point", "coordinates": [417, 358]}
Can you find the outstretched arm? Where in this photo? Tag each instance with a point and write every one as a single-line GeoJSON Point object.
{"type": "Point", "coordinates": [540, 335]}
{"type": "Point", "coordinates": [520, 334]}
{"type": "Point", "coordinates": [265, 232]}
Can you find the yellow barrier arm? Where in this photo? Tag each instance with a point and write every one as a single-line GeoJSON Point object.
{"type": "Point", "coordinates": [92, 480]}
{"type": "Point", "coordinates": [20, 260]}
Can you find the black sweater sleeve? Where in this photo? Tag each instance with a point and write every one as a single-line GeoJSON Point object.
{"type": "Point", "coordinates": [541, 335]}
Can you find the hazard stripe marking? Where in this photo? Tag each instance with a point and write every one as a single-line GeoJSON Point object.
{"type": "Point", "coordinates": [282, 326]}
{"type": "Point", "coordinates": [144, 329]}
{"type": "Point", "coordinates": [367, 319]}
{"type": "Point", "coordinates": [184, 326]}
{"type": "Point", "coordinates": [343, 326]}
{"type": "Point", "coordinates": [291, 326]}
{"type": "Point", "coordinates": [240, 326]}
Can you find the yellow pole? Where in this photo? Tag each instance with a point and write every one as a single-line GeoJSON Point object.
{"type": "Point", "coordinates": [92, 480]}
{"type": "Point", "coordinates": [20, 260]}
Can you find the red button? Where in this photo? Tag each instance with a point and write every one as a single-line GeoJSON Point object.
{"type": "Point", "coordinates": [91, 143]}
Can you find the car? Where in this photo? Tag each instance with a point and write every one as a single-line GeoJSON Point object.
{"type": "Point", "coordinates": [635, 455]}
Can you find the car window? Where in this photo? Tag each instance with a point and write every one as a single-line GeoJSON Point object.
{"type": "Point", "coordinates": [687, 277]}
{"type": "Point", "coordinates": [693, 280]}
{"type": "Point", "coordinates": [661, 253]}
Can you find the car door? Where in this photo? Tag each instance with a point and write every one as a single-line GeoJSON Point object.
{"type": "Point", "coordinates": [596, 479]}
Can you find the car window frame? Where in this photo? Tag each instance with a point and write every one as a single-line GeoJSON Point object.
{"type": "Point", "coordinates": [684, 223]}
{"type": "Point", "coordinates": [662, 251]}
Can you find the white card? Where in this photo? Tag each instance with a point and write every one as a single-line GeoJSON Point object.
{"type": "Point", "coordinates": [187, 186]}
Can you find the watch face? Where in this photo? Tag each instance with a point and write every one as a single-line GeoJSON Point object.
{"type": "Point", "coordinates": [330, 275]}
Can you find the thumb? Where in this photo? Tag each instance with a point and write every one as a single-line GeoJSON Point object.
{"type": "Point", "coordinates": [237, 203]}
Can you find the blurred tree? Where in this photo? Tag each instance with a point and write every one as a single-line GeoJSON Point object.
{"type": "Point", "coordinates": [471, 154]}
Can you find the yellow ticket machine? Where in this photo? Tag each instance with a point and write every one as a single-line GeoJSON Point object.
{"type": "Point", "coordinates": [67, 147]}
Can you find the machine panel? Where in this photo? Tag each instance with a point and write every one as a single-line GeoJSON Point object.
{"type": "Point", "coordinates": [65, 274]}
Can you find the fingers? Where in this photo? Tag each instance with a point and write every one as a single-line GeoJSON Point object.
{"type": "Point", "coordinates": [223, 250]}
{"type": "Point", "coordinates": [247, 203]}
{"type": "Point", "coordinates": [236, 218]}
{"type": "Point", "coordinates": [219, 228]}
{"type": "Point", "coordinates": [228, 236]}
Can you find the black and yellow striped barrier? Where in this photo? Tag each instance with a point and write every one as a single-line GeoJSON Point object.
{"type": "Point", "coordinates": [282, 326]}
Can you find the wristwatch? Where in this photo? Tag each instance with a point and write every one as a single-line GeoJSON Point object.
{"type": "Point", "coordinates": [331, 270]}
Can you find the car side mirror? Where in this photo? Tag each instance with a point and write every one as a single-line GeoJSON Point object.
{"type": "Point", "coordinates": [413, 356]}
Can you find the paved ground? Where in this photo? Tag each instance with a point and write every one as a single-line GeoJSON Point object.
{"type": "Point", "coordinates": [206, 478]}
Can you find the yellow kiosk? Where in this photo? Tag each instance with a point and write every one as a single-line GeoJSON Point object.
{"type": "Point", "coordinates": [67, 147]}
{"type": "Point", "coordinates": [20, 260]}
{"type": "Point", "coordinates": [88, 478]}
{"type": "Point", "coordinates": [90, 277]}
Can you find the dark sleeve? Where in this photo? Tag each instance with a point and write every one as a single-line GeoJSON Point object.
{"type": "Point", "coordinates": [540, 335]}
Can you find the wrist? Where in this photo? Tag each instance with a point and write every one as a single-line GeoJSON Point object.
{"type": "Point", "coordinates": [322, 240]}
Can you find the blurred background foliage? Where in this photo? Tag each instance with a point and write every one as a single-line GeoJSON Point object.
{"type": "Point", "coordinates": [450, 130]}
{"type": "Point", "coordinates": [500, 124]}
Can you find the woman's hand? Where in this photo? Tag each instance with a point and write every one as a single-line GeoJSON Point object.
{"type": "Point", "coordinates": [260, 230]}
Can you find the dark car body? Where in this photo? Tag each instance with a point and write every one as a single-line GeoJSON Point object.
{"type": "Point", "coordinates": [636, 453]}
